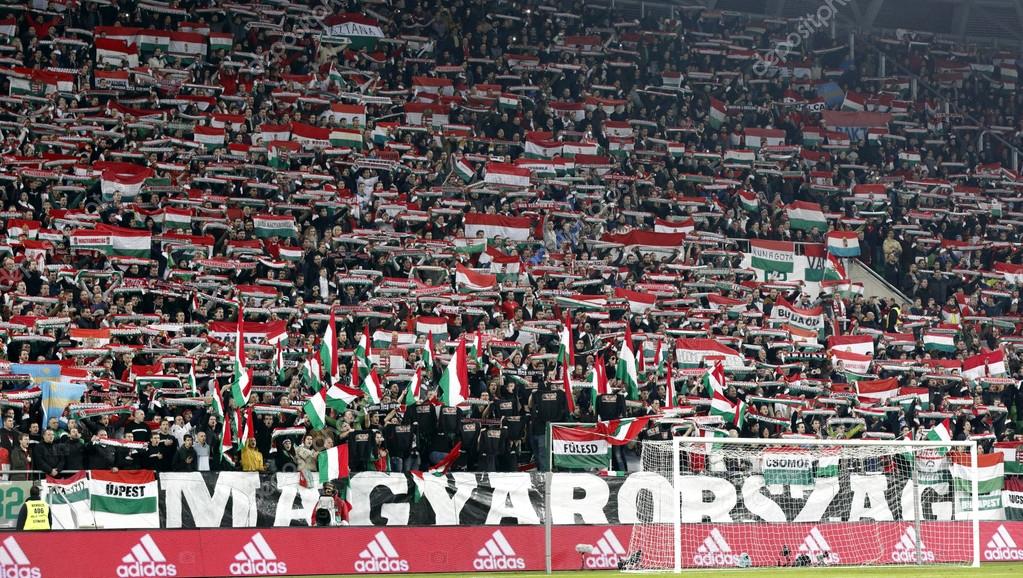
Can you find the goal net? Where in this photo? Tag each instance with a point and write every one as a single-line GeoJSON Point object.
{"type": "Point", "coordinates": [759, 503]}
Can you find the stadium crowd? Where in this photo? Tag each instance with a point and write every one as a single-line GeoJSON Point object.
{"type": "Point", "coordinates": [393, 185]}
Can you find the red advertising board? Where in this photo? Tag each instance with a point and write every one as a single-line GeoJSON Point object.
{"type": "Point", "coordinates": [297, 551]}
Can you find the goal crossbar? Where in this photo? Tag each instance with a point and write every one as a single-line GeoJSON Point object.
{"type": "Point", "coordinates": [678, 442]}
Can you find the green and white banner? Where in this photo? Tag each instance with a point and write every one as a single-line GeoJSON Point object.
{"type": "Point", "coordinates": [579, 447]}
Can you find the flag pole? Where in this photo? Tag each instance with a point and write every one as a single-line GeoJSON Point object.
{"type": "Point", "coordinates": [548, 480]}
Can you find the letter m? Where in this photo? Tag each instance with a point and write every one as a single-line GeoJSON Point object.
{"type": "Point", "coordinates": [207, 509]}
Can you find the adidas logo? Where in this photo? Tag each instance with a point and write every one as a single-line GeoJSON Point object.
{"type": "Point", "coordinates": [145, 560]}
{"type": "Point", "coordinates": [14, 563]}
{"type": "Point", "coordinates": [905, 549]}
{"type": "Point", "coordinates": [498, 554]}
{"type": "Point", "coordinates": [1002, 546]}
{"type": "Point", "coordinates": [257, 558]}
{"type": "Point", "coordinates": [816, 546]}
{"type": "Point", "coordinates": [715, 551]}
{"type": "Point", "coordinates": [380, 556]}
{"type": "Point", "coordinates": [606, 553]}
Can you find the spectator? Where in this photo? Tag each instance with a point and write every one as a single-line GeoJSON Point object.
{"type": "Point", "coordinates": [252, 458]}
{"type": "Point", "coordinates": [306, 455]}
{"type": "Point", "coordinates": [285, 459]}
{"type": "Point", "coordinates": [46, 455]}
{"type": "Point", "coordinates": [204, 453]}
{"type": "Point", "coordinates": [21, 459]}
{"type": "Point", "coordinates": [186, 458]}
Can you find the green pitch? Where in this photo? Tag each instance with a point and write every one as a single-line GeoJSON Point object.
{"type": "Point", "coordinates": [1000, 570]}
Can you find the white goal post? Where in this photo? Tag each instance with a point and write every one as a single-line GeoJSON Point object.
{"type": "Point", "coordinates": [736, 502]}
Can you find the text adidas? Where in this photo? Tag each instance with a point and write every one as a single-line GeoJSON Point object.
{"type": "Point", "coordinates": [249, 567]}
{"type": "Point", "coordinates": [146, 570]}
{"type": "Point", "coordinates": [381, 565]}
{"type": "Point", "coordinates": [20, 572]}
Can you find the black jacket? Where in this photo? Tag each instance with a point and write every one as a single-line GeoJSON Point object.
{"type": "Point", "coordinates": [47, 457]}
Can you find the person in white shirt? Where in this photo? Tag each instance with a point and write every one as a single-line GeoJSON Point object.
{"type": "Point", "coordinates": [179, 429]}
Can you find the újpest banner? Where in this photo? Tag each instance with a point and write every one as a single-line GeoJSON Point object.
{"type": "Point", "coordinates": [579, 448]}
{"type": "Point", "coordinates": [125, 499]}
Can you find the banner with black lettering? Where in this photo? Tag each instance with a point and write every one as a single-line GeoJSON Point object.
{"type": "Point", "coordinates": [234, 500]}
{"type": "Point", "coordinates": [246, 499]}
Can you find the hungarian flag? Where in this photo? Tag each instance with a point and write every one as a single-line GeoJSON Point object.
{"type": "Point", "coordinates": [566, 384]}
{"type": "Point", "coordinates": [333, 463]}
{"type": "Point", "coordinates": [714, 380]}
{"type": "Point", "coordinates": [328, 349]}
{"type": "Point", "coordinates": [581, 447]}
{"type": "Point", "coordinates": [315, 409]}
{"type": "Point", "coordinates": [646, 239]}
{"type": "Point", "coordinates": [598, 380]}
{"type": "Point", "coordinates": [739, 157]}
{"type": "Point", "coordinates": [855, 363]}
{"type": "Point", "coordinates": [772, 256]}
{"type": "Point", "coordinates": [464, 170]}
{"type": "Point", "coordinates": [990, 364]}
{"type": "Point", "coordinates": [126, 242]}
{"type": "Point", "coordinates": [311, 372]}
{"type": "Point", "coordinates": [844, 243]}
{"type": "Point", "coordinates": [412, 392]}
{"type": "Point", "coordinates": [371, 387]}
{"type": "Point", "coordinates": [566, 348]}
{"type": "Point", "coordinates": [1012, 498]}
{"type": "Point", "coordinates": [504, 174]}
{"type": "Point", "coordinates": [1012, 457]}
{"type": "Point", "coordinates": [346, 114]}
{"type": "Point", "coordinates": [221, 41]}
{"type": "Point", "coordinates": [941, 432]}
{"type": "Point", "coordinates": [116, 52]}
{"type": "Point", "coordinates": [718, 113]}
{"type": "Point", "coordinates": [854, 101]}
{"type": "Point", "coordinates": [454, 384]}
{"type": "Point", "coordinates": [693, 352]}
{"type": "Point", "coordinates": [788, 466]}
{"type": "Point", "coordinates": [731, 413]}
{"type": "Point", "coordinates": [121, 178]}
{"type": "Point", "coordinates": [791, 317]}
{"type": "Point", "coordinates": [639, 302]}
{"type": "Point", "coordinates": [340, 137]}
{"type": "Point", "coordinates": [309, 136]}
{"type": "Point", "coordinates": [241, 383]}
{"type": "Point", "coordinates": [763, 137]}
{"type": "Point", "coordinates": [468, 280]}
{"type": "Point", "coordinates": [626, 370]}
{"type": "Point", "coordinates": [944, 341]}
{"type": "Point", "coordinates": [749, 201]}
{"type": "Point", "coordinates": [357, 30]}
{"type": "Point", "coordinates": [1011, 272]}
{"type": "Point", "coordinates": [266, 226]}
{"type": "Point", "coordinates": [806, 216]}
{"type": "Point", "coordinates": [877, 391]}
{"type": "Point", "coordinates": [124, 499]}
{"type": "Point", "coordinates": [663, 226]}
{"type": "Point", "coordinates": [429, 356]}
{"type": "Point", "coordinates": [210, 137]}
{"type": "Point", "coordinates": [18, 227]}
{"type": "Point", "coordinates": [669, 388]}
{"type": "Point", "coordinates": [621, 432]}
{"type": "Point", "coordinates": [435, 327]}
{"type": "Point", "coordinates": [990, 473]}
{"type": "Point", "coordinates": [511, 228]}
{"type": "Point", "coordinates": [861, 344]}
